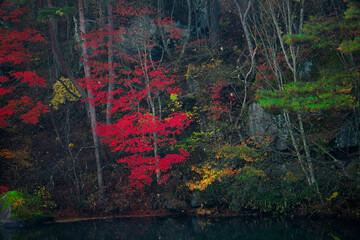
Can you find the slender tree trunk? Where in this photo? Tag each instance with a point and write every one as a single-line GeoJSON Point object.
{"type": "Point", "coordinates": [160, 5]}
{"type": "Point", "coordinates": [302, 7]}
{"type": "Point", "coordinates": [281, 14]}
{"type": "Point", "coordinates": [296, 147]}
{"type": "Point", "coordinates": [292, 63]}
{"type": "Point", "coordinates": [92, 109]}
{"type": "Point", "coordinates": [110, 63]}
{"type": "Point", "coordinates": [249, 75]}
{"type": "Point", "coordinates": [188, 29]}
{"type": "Point", "coordinates": [243, 18]}
{"type": "Point", "coordinates": [151, 104]}
{"type": "Point", "coordinates": [155, 135]}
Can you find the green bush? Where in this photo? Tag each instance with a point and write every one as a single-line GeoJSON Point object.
{"type": "Point", "coordinates": [268, 195]}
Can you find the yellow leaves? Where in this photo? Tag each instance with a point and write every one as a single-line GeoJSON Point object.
{"type": "Point", "coordinates": [189, 114]}
{"type": "Point", "coordinates": [190, 68]}
{"type": "Point", "coordinates": [209, 174]}
{"type": "Point", "coordinates": [202, 211]}
{"type": "Point", "coordinates": [249, 150]}
{"type": "Point", "coordinates": [203, 70]}
{"type": "Point", "coordinates": [222, 153]}
{"type": "Point", "coordinates": [334, 195]}
{"type": "Point", "coordinates": [173, 97]}
{"type": "Point", "coordinates": [59, 12]}
{"type": "Point", "coordinates": [71, 145]}
{"type": "Point", "coordinates": [290, 177]}
{"type": "Point", "coordinates": [250, 171]}
{"type": "Point", "coordinates": [61, 94]}
{"type": "Point", "coordinates": [174, 105]}
{"type": "Point", "coordinates": [44, 194]}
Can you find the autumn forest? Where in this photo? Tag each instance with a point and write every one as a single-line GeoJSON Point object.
{"type": "Point", "coordinates": [118, 107]}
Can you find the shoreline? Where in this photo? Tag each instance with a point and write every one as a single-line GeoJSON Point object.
{"type": "Point", "coordinates": [211, 215]}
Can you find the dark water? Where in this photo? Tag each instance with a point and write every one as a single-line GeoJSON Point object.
{"type": "Point", "coordinates": [192, 228]}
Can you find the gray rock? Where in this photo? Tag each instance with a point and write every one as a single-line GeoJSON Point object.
{"type": "Point", "coordinates": [263, 124]}
{"type": "Point", "coordinates": [174, 205]}
{"type": "Point", "coordinates": [195, 200]}
{"type": "Point", "coordinates": [346, 138]}
{"type": "Point", "coordinates": [7, 219]}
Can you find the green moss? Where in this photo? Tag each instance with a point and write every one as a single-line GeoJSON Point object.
{"type": "Point", "coordinates": [23, 206]}
{"type": "Point", "coordinates": [12, 198]}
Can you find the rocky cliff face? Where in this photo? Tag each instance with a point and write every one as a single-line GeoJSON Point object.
{"type": "Point", "coordinates": [346, 138]}
{"type": "Point", "coordinates": [348, 135]}
{"type": "Point", "coordinates": [262, 124]}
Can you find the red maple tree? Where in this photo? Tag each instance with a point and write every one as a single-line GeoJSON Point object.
{"type": "Point", "coordinates": [142, 132]}
{"type": "Point", "coordinates": [13, 54]}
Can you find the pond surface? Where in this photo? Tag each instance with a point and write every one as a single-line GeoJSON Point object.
{"type": "Point", "coordinates": [192, 228]}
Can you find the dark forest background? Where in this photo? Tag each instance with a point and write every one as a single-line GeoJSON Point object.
{"type": "Point", "coordinates": [268, 91]}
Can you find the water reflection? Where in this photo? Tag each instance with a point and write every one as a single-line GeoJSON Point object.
{"type": "Point", "coordinates": [191, 228]}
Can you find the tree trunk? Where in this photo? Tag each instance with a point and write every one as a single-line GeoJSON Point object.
{"type": "Point", "coordinates": [215, 12]}
{"type": "Point", "coordinates": [111, 63]}
{"type": "Point", "coordinates": [59, 57]}
{"type": "Point", "coordinates": [292, 63]}
{"type": "Point", "coordinates": [160, 5]}
{"type": "Point", "coordinates": [92, 109]}
{"type": "Point", "coordinates": [188, 29]}
{"type": "Point", "coordinates": [296, 147]}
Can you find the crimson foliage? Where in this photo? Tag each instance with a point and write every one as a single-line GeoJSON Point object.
{"type": "Point", "coordinates": [143, 134]}
{"type": "Point", "coordinates": [14, 53]}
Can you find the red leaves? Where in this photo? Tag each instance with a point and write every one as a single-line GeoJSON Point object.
{"type": "Point", "coordinates": [172, 31]}
{"type": "Point", "coordinates": [32, 116]}
{"type": "Point", "coordinates": [135, 133]}
{"type": "Point", "coordinates": [6, 14]}
{"type": "Point", "coordinates": [3, 79]}
{"type": "Point", "coordinates": [4, 91]}
{"type": "Point", "coordinates": [13, 107]}
{"type": "Point", "coordinates": [20, 105]}
{"type": "Point", "coordinates": [216, 89]}
{"type": "Point", "coordinates": [125, 9]}
{"type": "Point", "coordinates": [144, 167]}
{"type": "Point", "coordinates": [13, 50]}
{"type": "Point", "coordinates": [223, 99]}
{"type": "Point", "coordinates": [143, 132]}
{"type": "Point", "coordinates": [3, 189]}
{"type": "Point", "coordinates": [30, 78]}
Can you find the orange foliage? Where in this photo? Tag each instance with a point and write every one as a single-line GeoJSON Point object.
{"type": "Point", "coordinates": [6, 153]}
{"type": "Point", "coordinates": [209, 175]}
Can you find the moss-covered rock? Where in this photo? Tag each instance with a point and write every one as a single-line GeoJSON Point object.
{"type": "Point", "coordinates": [19, 210]}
